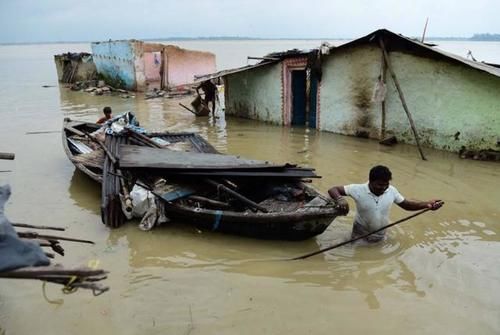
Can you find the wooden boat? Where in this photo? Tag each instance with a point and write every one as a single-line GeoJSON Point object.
{"type": "Point", "coordinates": [288, 209]}
{"type": "Point", "coordinates": [89, 158]}
{"type": "Point", "coordinates": [291, 220]}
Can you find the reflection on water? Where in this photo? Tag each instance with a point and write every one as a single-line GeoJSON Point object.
{"type": "Point", "coordinates": [439, 269]}
{"type": "Point", "coordinates": [84, 191]}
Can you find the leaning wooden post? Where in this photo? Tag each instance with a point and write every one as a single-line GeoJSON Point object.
{"type": "Point", "coordinates": [384, 79]}
{"type": "Point", "coordinates": [401, 96]}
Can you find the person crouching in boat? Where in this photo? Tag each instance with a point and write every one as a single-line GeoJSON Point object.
{"type": "Point", "coordinates": [373, 202]}
{"type": "Point", "coordinates": [107, 115]}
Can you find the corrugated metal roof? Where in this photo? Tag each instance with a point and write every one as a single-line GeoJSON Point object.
{"type": "Point", "coordinates": [370, 38]}
{"type": "Point", "coordinates": [231, 71]}
{"type": "Point", "coordinates": [278, 55]}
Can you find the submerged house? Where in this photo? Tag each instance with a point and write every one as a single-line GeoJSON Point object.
{"type": "Point", "coordinates": [73, 67]}
{"type": "Point", "coordinates": [140, 66]}
{"type": "Point", "coordinates": [452, 102]}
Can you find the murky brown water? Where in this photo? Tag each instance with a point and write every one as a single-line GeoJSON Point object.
{"type": "Point", "coordinates": [436, 274]}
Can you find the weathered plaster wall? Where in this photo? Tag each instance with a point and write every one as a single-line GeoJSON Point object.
{"type": "Point", "coordinates": [115, 61]}
{"type": "Point", "coordinates": [255, 94]}
{"type": "Point", "coordinates": [444, 98]}
{"type": "Point", "coordinates": [152, 66]}
{"type": "Point", "coordinates": [348, 81]}
{"type": "Point", "coordinates": [182, 65]}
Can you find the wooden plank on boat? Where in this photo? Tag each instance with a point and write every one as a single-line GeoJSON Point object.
{"type": "Point", "coordinates": [231, 173]}
{"type": "Point", "coordinates": [143, 157]}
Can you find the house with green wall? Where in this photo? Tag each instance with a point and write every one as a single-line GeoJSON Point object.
{"type": "Point", "coordinates": [351, 89]}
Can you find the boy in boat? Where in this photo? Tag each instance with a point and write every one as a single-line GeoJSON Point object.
{"type": "Point", "coordinates": [107, 115]}
{"type": "Point", "coordinates": [210, 91]}
{"type": "Point", "coordinates": [373, 202]}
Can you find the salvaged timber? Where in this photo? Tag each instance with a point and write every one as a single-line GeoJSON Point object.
{"type": "Point", "coordinates": [111, 211]}
{"type": "Point", "coordinates": [401, 96]}
{"type": "Point", "coordinates": [71, 278]}
{"type": "Point", "coordinates": [142, 157]}
{"type": "Point", "coordinates": [225, 193]}
{"type": "Point", "coordinates": [237, 195]}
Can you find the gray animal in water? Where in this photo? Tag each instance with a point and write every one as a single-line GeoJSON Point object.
{"type": "Point", "coordinates": [14, 252]}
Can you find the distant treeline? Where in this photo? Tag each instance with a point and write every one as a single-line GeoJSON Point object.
{"type": "Point", "coordinates": [475, 37]}
{"type": "Point", "coordinates": [485, 37]}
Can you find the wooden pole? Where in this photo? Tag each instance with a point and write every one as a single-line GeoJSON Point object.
{"type": "Point", "coordinates": [33, 235]}
{"type": "Point", "coordinates": [42, 132]}
{"type": "Point", "coordinates": [24, 225]}
{"type": "Point", "coordinates": [425, 29]}
{"type": "Point", "coordinates": [401, 96]}
{"type": "Point", "coordinates": [384, 79]}
{"type": "Point", "coordinates": [7, 155]}
{"type": "Point", "coordinates": [237, 195]}
{"type": "Point", "coordinates": [189, 109]}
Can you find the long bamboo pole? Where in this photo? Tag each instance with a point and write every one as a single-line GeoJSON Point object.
{"type": "Point", "coordinates": [359, 237]}
{"type": "Point", "coordinates": [401, 96]}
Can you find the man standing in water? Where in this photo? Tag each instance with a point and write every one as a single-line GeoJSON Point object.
{"type": "Point", "coordinates": [373, 202]}
{"type": "Point", "coordinates": [210, 91]}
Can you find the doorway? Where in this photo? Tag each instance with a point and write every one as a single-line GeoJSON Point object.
{"type": "Point", "coordinates": [304, 89]}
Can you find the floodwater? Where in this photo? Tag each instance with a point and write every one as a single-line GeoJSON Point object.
{"type": "Point", "coordinates": [438, 273]}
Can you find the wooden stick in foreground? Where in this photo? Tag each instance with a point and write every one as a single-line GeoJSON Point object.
{"type": "Point", "coordinates": [24, 225]}
{"type": "Point", "coordinates": [401, 96]}
{"type": "Point", "coordinates": [359, 237]}
{"type": "Point", "coordinates": [51, 237]}
{"type": "Point", "coordinates": [42, 132]}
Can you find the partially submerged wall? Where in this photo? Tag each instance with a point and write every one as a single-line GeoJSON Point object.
{"type": "Point", "coordinates": [183, 65]}
{"type": "Point", "coordinates": [452, 105]}
{"type": "Point", "coordinates": [255, 94]}
{"type": "Point", "coordinates": [73, 67]}
{"type": "Point", "coordinates": [115, 62]}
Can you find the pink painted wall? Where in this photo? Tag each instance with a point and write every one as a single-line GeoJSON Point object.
{"type": "Point", "coordinates": [183, 65]}
{"type": "Point", "coordinates": [152, 65]}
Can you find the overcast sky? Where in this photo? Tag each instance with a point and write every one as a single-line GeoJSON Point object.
{"type": "Point", "coordinates": [92, 20]}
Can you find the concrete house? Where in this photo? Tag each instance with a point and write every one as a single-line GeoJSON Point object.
{"type": "Point", "coordinates": [452, 102]}
{"type": "Point", "coordinates": [140, 66]}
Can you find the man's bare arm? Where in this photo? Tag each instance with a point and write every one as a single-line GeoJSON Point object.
{"type": "Point", "coordinates": [415, 205]}
{"type": "Point", "coordinates": [337, 193]}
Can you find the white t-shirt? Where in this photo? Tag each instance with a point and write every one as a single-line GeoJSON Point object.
{"type": "Point", "coordinates": [372, 212]}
